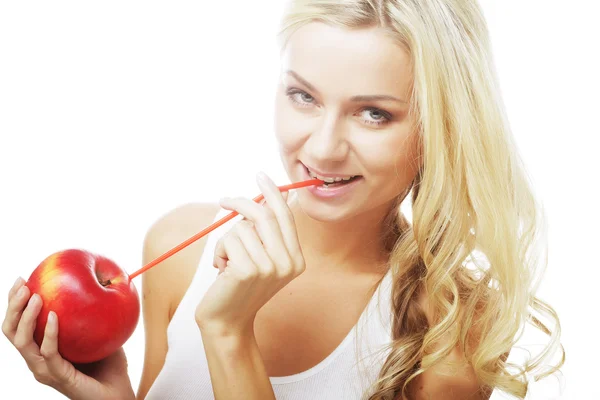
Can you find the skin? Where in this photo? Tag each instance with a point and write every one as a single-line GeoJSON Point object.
{"type": "Point", "coordinates": [279, 258]}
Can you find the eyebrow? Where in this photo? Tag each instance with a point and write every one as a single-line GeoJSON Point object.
{"type": "Point", "coordinates": [359, 98]}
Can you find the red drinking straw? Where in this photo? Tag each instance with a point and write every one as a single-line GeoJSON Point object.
{"type": "Point", "coordinates": [215, 225]}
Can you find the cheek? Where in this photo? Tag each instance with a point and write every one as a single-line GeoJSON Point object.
{"type": "Point", "coordinates": [398, 164]}
{"type": "Point", "coordinates": [407, 157]}
{"type": "Point", "coordinates": [292, 127]}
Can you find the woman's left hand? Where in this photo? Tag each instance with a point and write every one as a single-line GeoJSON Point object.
{"type": "Point", "coordinates": [256, 258]}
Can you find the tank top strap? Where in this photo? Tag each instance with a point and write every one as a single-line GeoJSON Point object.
{"type": "Point", "coordinates": [204, 276]}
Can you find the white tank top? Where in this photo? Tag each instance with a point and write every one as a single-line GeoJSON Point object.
{"type": "Point", "coordinates": [347, 373]}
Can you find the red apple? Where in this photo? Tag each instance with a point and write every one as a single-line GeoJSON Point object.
{"type": "Point", "coordinates": [96, 303]}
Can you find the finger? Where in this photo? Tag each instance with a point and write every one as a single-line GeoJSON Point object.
{"type": "Point", "coordinates": [23, 340]}
{"type": "Point", "coordinates": [49, 350]}
{"type": "Point", "coordinates": [254, 247]}
{"type": "Point", "coordinates": [239, 261]}
{"type": "Point", "coordinates": [266, 225]}
{"type": "Point", "coordinates": [14, 311]}
{"type": "Point", "coordinates": [284, 194]}
{"type": "Point", "coordinates": [276, 202]}
{"type": "Point", "coordinates": [18, 283]}
{"type": "Point", "coordinates": [220, 264]}
{"type": "Point", "coordinates": [220, 256]}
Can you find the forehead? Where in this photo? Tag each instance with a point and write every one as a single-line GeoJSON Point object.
{"type": "Point", "coordinates": [348, 61]}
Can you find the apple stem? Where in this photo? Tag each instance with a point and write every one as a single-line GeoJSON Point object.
{"type": "Point", "coordinates": [257, 199]}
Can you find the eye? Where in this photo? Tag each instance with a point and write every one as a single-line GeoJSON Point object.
{"type": "Point", "coordinates": [375, 116]}
{"type": "Point", "coordinates": [300, 97]}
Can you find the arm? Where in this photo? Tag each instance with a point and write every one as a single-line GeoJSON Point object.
{"type": "Point", "coordinates": [443, 382]}
{"type": "Point", "coordinates": [257, 258]}
{"type": "Point", "coordinates": [162, 290]}
{"type": "Point", "coordinates": [453, 378]}
{"type": "Point", "coordinates": [236, 367]}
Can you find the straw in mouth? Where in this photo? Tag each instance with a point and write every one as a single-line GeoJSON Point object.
{"type": "Point", "coordinates": [215, 225]}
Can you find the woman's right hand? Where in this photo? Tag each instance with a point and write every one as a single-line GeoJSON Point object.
{"type": "Point", "coordinates": [106, 379]}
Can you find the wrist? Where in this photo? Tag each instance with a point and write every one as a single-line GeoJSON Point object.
{"type": "Point", "coordinates": [226, 332]}
{"type": "Point", "coordinates": [236, 366]}
{"type": "Point", "coordinates": [227, 337]}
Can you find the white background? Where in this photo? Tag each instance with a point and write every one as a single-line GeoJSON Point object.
{"type": "Point", "coordinates": [113, 113]}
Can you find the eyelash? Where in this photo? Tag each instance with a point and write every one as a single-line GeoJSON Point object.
{"type": "Point", "coordinates": [387, 117]}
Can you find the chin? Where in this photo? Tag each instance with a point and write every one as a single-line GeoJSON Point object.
{"type": "Point", "coordinates": [327, 212]}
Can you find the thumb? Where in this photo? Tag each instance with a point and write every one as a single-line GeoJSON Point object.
{"type": "Point", "coordinates": [103, 370]}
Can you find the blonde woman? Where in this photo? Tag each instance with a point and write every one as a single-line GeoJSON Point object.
{"type": "Point", "coordinates": [333, 293]}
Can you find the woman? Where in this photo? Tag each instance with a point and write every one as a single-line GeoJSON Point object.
{"type": "Point", "coordinates": [332, 293]}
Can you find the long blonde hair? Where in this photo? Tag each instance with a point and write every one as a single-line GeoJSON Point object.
{"type": "Point", "coordinates": [474, 245]}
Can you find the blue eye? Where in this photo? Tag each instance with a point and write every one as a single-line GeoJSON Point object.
{"type": "Point", "coordinates": [377, 116]}
{"type": "Point", "coordinates": [300, 97]}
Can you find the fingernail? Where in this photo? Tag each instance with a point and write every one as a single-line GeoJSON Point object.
{"type": "Point", "coordinates": [263, 177]}
{"type": "Point", "coordinates": [17, 282]}
{"type": "Point", "coordinates": [21, 292]}
{"type": "Point", "coordinates": [51, 317]}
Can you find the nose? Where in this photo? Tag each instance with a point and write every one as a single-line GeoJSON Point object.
{"type": "Point", "coordinates": [328, 142]}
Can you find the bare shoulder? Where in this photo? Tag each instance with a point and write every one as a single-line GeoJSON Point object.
{"type": "Point", "coordinates": [165, 284]}
{"type": "Point", "coordinates": [173, 276]}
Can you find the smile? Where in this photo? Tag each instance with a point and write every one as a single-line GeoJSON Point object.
{"type": "Point", "coordinates": [331, 179]}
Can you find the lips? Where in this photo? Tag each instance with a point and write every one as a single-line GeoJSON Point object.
{"type": "Point", "coordinates": [333, 191]}
{"type": "Point", "coordinates": [330, 178]}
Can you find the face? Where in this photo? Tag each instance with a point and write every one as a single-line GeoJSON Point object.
{"type": "Point", "coordinates": [342, 112]}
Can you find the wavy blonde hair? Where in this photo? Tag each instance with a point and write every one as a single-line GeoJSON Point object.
{"type": "Point", "coordinates": [471, 198]}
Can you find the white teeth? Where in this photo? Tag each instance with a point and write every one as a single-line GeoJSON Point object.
{"type": "Point", "coordinates": [327, 179]}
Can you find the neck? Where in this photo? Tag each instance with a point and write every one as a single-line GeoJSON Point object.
{"type": "Point", "coordinates": [353, 244]}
